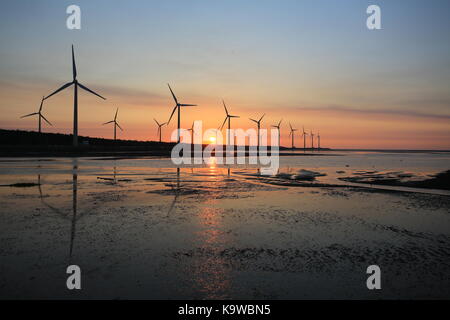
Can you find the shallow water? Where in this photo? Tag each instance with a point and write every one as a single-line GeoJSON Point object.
{"type": "Point", "coordinates": [140, 229]}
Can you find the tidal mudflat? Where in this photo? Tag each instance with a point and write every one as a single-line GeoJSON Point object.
{"type": "Point", "coordinates": [140, 229]}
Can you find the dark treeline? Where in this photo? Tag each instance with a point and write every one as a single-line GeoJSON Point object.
{"type": "Point", "coordinates": [30, 143]}
{"type": "Point", "coordinates": [19, 137]}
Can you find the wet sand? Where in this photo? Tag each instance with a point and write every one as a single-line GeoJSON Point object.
{"type": "Point", "coordinates": [139, 230]}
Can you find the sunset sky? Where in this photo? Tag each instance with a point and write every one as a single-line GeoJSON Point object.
{"type": "Point", "coordinates": [313, 63]}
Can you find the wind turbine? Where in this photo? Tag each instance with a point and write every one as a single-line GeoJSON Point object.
{"type": "Point", "coordinates": [75, 84]}
{"type": "Point", "coordinates": [159, 128]}
{"type": "Point", "coordinates": [178, 106]}
{"type": "Point", "coordinates": [115, 124]}
{"type": "Point", "coordinates": [312, 140]}
{"type": "Point", "coordinates": [39, 114]}
{"type": "Point", "coordinates": [192, 133]}
{"type": "Point", "coordinates": [228, 117]}
{"type": "Point", "coordinates": [292, 134]}
{"type": "Point", "coordinates": [279, 135]}
{"type": "Point", "coordinates": [318, 137]}
{"type": "Point", "coordinates": [304, 134]}
{"type": "Point", "coordinates": [258, 122]}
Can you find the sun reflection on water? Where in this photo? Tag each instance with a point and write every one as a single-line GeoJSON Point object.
{"type": "Point", "coordinates": [211, 276]}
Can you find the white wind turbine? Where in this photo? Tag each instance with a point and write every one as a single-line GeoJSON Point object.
{"type": "Point", "coordinates": [304, 134]}
{"type": "Point", "coordinates": [228, 117]}
{"type": "Point", "coordinates": [318, 140]}
{"type": "Point", "coordinates": [191, 129]}
{"type": "Point", "coordinates": [291, 134]}
{"type": "Point", "coordinates": [279, 134]}
{"type": "Point", "coordinates": [75, 84]}
{"type": "Point", "coordinates": [115, 124]}
{"type": "Point", "coordinates": [40, 116]}
{"type": "Point", "coordinates": [159, 128]}
{"type": "Point", "coordinates": [258, 122]}
{"type": "Point", "coordinates": [178, 107]}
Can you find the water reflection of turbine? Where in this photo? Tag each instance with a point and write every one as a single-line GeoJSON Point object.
{"type": "Point", "coordinates": [75, 215]}
{"type": "Point", "coordinates": [112, 180]}
{"type": "Point", "coordinates": [74, 207]}
{"type": "Point", "coordinates": [176, 191]}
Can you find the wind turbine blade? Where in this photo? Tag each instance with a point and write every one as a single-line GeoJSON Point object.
{"type": "Point", "coordinates": [262, 117]}
{"type": "Point", "coordinates": [173, 111]}
{"type": "Point", "coordinates": [173, 94]}
{"type": "Point", "coordinates": [46, 120]}
{"type": "Point", "coordinates": [74, 67]}
{"type": "Point", "coordinates": [233, 116]}
{"type": "Point", "coordinates": [42, 103]}
{"type": "Point", "coordinates": [162, 124]}
{"type": "Point", "coordinates": [62, 88]}
{"type": "Point", "coordinates": [224, 121]}
{"type": "Point", "coordinates": [29, 115]}
{"type": "Point", "coordinates": [115, 117]}
{"type": "Point", "coordinates": [108, 122]}
{"type": "Point", "coordinates": [290, 126]}
{"type": "Point", "coordinates": [188, 105]}
{"type": "Point", "coordinates": [226, 111]}
{"type": "Point", "coordinates": [156, 122]}
{"type": "Point", "coordinates": [279, 123]}
{"type": "Point", "coordinates": [119, 126]}
{"type": "Point", "coordinates": [253, 120]}
{"type": "Point", "coordinates": [89, 90]}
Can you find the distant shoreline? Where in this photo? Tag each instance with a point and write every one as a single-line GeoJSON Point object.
{"type": "Point", "coordinates": [63, 151]}
{"type": "Point", "coordinates": [19, 143]}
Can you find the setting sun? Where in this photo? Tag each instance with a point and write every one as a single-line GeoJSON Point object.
{"type": "Point", "coordinates": [212, 139]}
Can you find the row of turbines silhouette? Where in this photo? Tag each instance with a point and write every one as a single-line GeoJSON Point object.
{"type": "Point", "coordinates": [177, 108]}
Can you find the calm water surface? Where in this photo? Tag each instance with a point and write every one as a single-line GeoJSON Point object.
{"type": "Point", "coordinates": [138, 228]}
